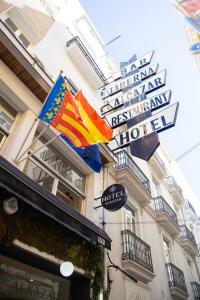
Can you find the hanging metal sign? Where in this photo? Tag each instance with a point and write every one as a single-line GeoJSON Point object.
{"type": "Point", "coordinates": [125, 102]}
{"type": "Point", "coordinates": [119, 117]}
{"type": "Point", "coordinates": [133, 66]}
{"type": "Point", "coordinates": [114, 197]}
{"type": "Point", "coordinates": [117, 85]}
{"type": "Point", "coordinates": [156, 123]}
{"type": "Point", "coordinates": [138, 64]}
{"type": "Point", "coordinates": [155, 82]}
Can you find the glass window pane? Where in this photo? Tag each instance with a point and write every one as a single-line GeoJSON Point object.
{"type": "Point", "coordinates": [61, 165]}
{"type": "Point", "coordinates": [39, 175]}
{"type": "Point", "coordinates": [5, 121]}
{"type": "Point", "coordinates": [7, 115]}
{"type": "Point", "coordinates": [129, 219]}
{"type": "Point", "coordinates": [24, 40]}
{"type": "Point", "coordinates": [68, 197]}
{"type": "Point", "coordinates": [2, 138]}
{"type": "Point", "coordinates": [167, 251]}
{"type": "Point", "coordinates": [11, 24]}
{"type": "Point", "coordinates": [23, 282]}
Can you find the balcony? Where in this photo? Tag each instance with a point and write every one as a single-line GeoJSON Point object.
{"type": "Point", "coordinates": [166, 216]}
{"type": "Point", "coordinates": [196, 290]}
{"type": "Point", "coordinates": [177, 285]}
{"type": "Point", "coordinates": [188, 241]}
{"type": "Point", "coordinates": [130, 175]}
{"type": "Point", "coordinates": [158, 166]}
{"type": "Point", "coordinates": [136, 257]}
{"type": "Point", "coordinates": [23, 64]}
{"type": "Point", "coordinates": [175, 190]}
{"type": "Point", "coordinates": [83, 59]}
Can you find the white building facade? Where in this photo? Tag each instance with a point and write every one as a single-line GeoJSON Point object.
{"type": "Point", "coordinates": [154, 236]}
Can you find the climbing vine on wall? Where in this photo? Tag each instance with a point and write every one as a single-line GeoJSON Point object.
{"type": "Point", "coordinates": [35, 229]}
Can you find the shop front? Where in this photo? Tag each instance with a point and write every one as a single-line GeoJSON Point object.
{"type": "Point", "coordinates": [38, 236]}
{"type": "Point", "coordinates": [21, 281]}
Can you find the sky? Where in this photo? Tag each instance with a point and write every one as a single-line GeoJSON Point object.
{"type": "Point", "coordinates": [156, 25]}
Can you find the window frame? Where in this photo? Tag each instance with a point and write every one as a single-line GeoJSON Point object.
{"type": "Point", "coordinates": [38, 161]}
{"type": "Point", "coordinates": [169, 248]}
{"type": "Point", "coordinates": [127, 209]}
{"type": "Point", "coordinates": [17, 32]}
{"type": "Point", "coordinates": [56, 180]}
{"type": "Point", "coordinates": [6, 132]}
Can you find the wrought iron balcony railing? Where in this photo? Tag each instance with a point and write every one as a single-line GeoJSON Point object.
{"type": "Point", "coordinates": [88, 56]}
{"type": "Point", "coordinates": [125, 161]}
{"type": "Point", "coordinates": [162, 206]}
{"type": "Point", "coordinates": [186, 234]}
{"type": "Point", "coordinates": [196, 290]}
{"type": "Point", "coordinates": [136, 250]}
{"type": "Point", "coordinates": [176, 277]}
{"type": "Point", "coordinates": [172, 183]}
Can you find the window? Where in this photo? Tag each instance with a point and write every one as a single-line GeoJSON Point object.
{"type": "Point", "coordinates": [24, 40]}
{"type": "Point", "coordinates": [56, 174]}
{"type": "Point", "coordinates": [18, 32]}
{"type": "Point", "coordinates": [190, 269]}
{"type": "Point", "coordinates": [156, 188]}
{"type": "Point", "coordinates": [39, 175]}
{"type": "Point", "coordinates": [5, 121]}
{"type": "Point", "coordinates": [129, 219]}
{"type": "Point", "coordinates": [71, 199]}
{"type": "Point", "coordinates": [7, 115]}
{"type": "Point", "coordinates": [11, 24]}
{"type": "Point", "coordinates": [3, 137]}
{"type": "Point", "coordinates": [57, 162]}
{"type": "Point", "coordinates": [167, 251]}
{"type": "Point", "coordinates": [53, 184]}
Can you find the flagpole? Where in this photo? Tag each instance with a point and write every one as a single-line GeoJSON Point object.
{"type": "Point", "coordinates": [33, 142]}
{"type": "Point", "coordinates": [18, 157]}
{"type": "Point", "coordinates": [47, 143]}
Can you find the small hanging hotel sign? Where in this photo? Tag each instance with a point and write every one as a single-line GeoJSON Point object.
{"type": "Point", "coordinates": [114, 197]}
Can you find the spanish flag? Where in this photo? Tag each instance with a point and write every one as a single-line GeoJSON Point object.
{"type": "Point", "coordinates": [97, 127]}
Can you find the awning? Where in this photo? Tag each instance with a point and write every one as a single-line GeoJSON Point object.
{"type": "Point", "coordinates": [24, 188]}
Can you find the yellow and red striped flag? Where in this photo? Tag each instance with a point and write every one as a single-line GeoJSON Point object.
{"type": "Point", "coordinates": [74, 117]}
{"type": "Point", "coordinates": [97, 127]}
{"type": "Point", "coordinates": [69, 122]}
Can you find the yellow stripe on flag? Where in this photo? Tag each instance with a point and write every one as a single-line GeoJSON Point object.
{"type": "Point", "coordinates": [74, 139]}
{"type": "Point", "coordinates": [91, 126]}
{"type": "Point", "coordinates": [70, 107]}
{"type": "Point", "coordinates": [89, 138]}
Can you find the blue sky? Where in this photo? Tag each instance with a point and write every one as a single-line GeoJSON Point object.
{"type": "Point", "coordinates": [147, 25]}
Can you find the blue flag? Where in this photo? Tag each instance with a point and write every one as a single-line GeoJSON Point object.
{"type": "Point", "coordinates": [91, 155]}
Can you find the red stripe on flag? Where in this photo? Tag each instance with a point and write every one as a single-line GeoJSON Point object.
{"type": "Point", "coordinates": [60, 121]}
